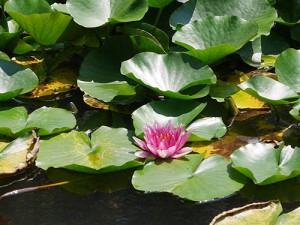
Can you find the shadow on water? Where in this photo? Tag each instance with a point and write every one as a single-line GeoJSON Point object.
{"type": "Point", "coordinates": [56, 206]}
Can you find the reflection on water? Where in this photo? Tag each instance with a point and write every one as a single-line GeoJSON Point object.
{"type": "Point", "coordinates": [56, 206]}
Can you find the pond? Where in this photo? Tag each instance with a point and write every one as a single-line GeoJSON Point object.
{"type": "Point", "coordinates": [128, 206]}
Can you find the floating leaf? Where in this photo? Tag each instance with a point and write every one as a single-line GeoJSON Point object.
{"type": "Point", "coordinates": [12, 120]}
{"type": "Point", "coordinates": [258, 11]}
{"type": "Point", "coordinates": [213, 38]}
{"type": "Point", "coordinates": [177, 111]}
{"type": "Point", "coordinates": [174, 75]}
{"type": "Point", "coordinates": [265, 164]}
{"type": "Point", "coordinates": [95, 13]}
{"type": "Point", "coordinates": [287, 67]}
{"type": "Point", "coordinates": [15, 80]}
{"type": "Point", "coordinates": [10, 34]}
{"type": "Point", "coordinates": [147, 38]}
{"type": "Point", "coordinates": [51, 120]}
{"type": "Point", "coordinates": [100, 78]}
{"type": "Point", "coordinates": [254, 213]}
{"type": "Point", "coordinates": [108, 150]}
{"type": "Point", "coordinates": [18, 154]}
{"type": "Point", "coordinates": [185, 177]}
{"type": "Point", "coordinates": [206, 129]}
{"type": "Point", "coordinates": [269, 90]}
{"type": "Point", "coordinates": [38, 19]}
{"type": "Point", "coordinates": [291, 218]}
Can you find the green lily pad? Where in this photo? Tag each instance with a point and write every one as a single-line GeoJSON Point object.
{"type": "Point", "coordinates": [291, 218]}
{"type": "Point", "coordinates": [13, 31]}
{"type": "Point", "coordinates": [287, 68]}
{"type": "Point", "coordinates": [177, 111]}
{"type": "Point", "coordinates": [15, 80]}
{"type": "Point", "coordinates": [265, 164]}
{"type": "Point", "coordinates": [95, 13]}
{"type": "Point", "coordinates": [100, 78]}
{"type": "Point", "coordinates": [212, 38]}
{"type": "Point", "coordinates": [38, 19]}
{"type": "Point", "coordinates": [258, 11]}
{"type": "Point", "coordinates": [174, 75]}
{"type": "Point", "coordinates": [206, 129]}
{"type": "Point", "coordinates": [109, 149]}
{"type": "Point", "coordinates": [255, 213]}
{"type": "Point", "coordinates": [295, 111]}
{"type": "Point", "coordinates": [12, 120]}
{"type": "Point", "coordinates": [269, 90]}
{"type": "Point", "coordinates": [51, 120]}
{"type": "Point", "coordinates": [17, 155]}
{"type": "Point", "coordinates": [147, 38]}
{"type": "Point", "coordinates": [15, 121]}
{"type": "Point", "coordinates": [190, 177]}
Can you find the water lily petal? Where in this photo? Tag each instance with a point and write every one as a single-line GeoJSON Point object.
{"type": "Point", "coordinates": [163, 153]}
{"type": "Point", "coordinates": [143, 154]}
{"type": "Point", "coordinates": [183, 137]}
{"type": "Point", "coordinates": [182, 152]}
{"type": "Point", "coordinates": [140, 143]}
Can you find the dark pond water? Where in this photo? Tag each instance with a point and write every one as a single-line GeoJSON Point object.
{"type": "Point", "coordinates": [56, 206]}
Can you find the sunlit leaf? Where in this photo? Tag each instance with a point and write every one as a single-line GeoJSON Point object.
{"type": "Point", "coordinates": [287, 67]}
{"type": "Point", "coordinates": [258, 11]}
{"type": "Point", "coordinates": [212, 38]}
{"type": "Point", "coordinates": [185, 177]}
{"type": "Point", "coordinates": [51, 120]}
{"type": "Point", "coordinates": [254, 213]}
{"type": "Point", "coordinates": [269, 90]}
{"type": "Point", "coordinates": [17, 155]}
{"type": "Point", "coordinates": [15, 80]}
{"type": "Point", "coordinates": [174, 75]}
{"type": "Point", "coordinates": [38, 19]}
{"type": "Point", "coordinates": [206, 129]}
{"type": "Point", "coordinates": [108, 150]}
{"type": "Point", "coordinates": [177, 111]}
{"type": "Point", "coordinates": [12, 120]}
{"type": "Point", "coordinates": [95, 13]}
{"type": "Point", "coordinates": [265, 164]}
{"type": "Point", "coordinates": [290, 218]}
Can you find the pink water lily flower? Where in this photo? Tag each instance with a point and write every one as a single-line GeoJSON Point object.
{"type": "Point", "coordinates": [163, 142]}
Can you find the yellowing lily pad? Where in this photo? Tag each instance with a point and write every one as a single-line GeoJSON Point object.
{"type": "Point", "coordinates": [18, 154]}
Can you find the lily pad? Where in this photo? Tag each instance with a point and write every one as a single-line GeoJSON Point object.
{"type": "Point", "coordinates": [95, 13]}
{"type": "Point", "coordinates": [11, 33]}
{"type": "Point", "coordinates": [187, 176]}
{"type": "Point", "coordinates": [212, 38]}
{"type": "Point", "coordinates": [177, 111]}
{"type": "Point", "coordinates": [100, 78]}
{"type": "Point", "coordinates": [109, 149]}
{"type": "Point", "coordinates": [38, 19]}
{"type": "Point", "coordinates": [258, 11]}
{"type": "Point", "coordinates": [287, 67]}
{"type": "Point", "coordinates": [206, 129]}
{"type": "Point", "coordinates": [265, 164]}
{"type": "Point", "coordinates": [15, 80]}
{"type": "Point", "coordinates": [51, 120]}
{"type": "Point", "coordinates": [291, 218]}
{"type": "Point", "coordinates": [269, 90]}
{"type": "Point", "coordinates": [12, 120]}
{"type": "Point", "coordinates": [159, 3]}
{"type": "Point", "coordinates": [18, 154]}
{"type": "Point", "coordinates": [255, 213]}
{"type": "Point", "coordinates": [174, 75]}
